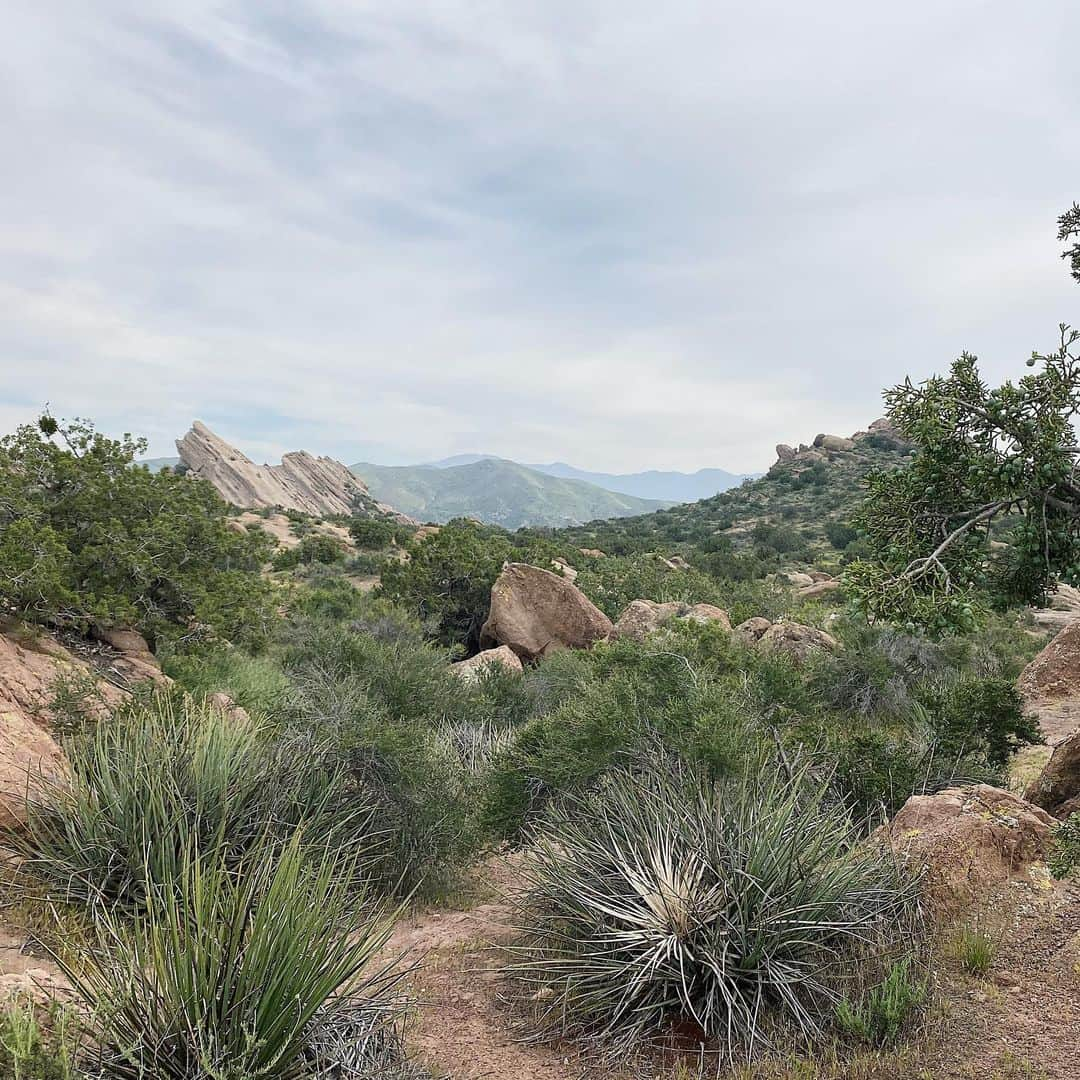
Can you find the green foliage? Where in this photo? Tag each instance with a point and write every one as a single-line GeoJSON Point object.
{"type": "Point", "coordinates": [240, 975]}
{"type": "Point", "coordinates": [613, 582]}
{"type": "Point", "coordinates": [256, 683]}
{"type": "Point", "coordinates": [839, 534]}
{"type": "Point", "coordinates": [314, 548]}
{"type": "Point", "coordinates": [986, 456]}
{"type": "Point", "coordinates": [448, 577]}
{"type": "Point", "coordinates": [155, 777]}
{"type": "Point", "coordinates": [665, 898]}
{"type": "Point", "coordinates": [884, 1013]}
{"type": "Point", "coordinates": [1068, 229]}
{"type": "Point", "coordinates": [87, 539]}
{"type": "Point", "coordinates": [1064, 859]}
{"type": "Point", "coordinates": [374, 534]}
{"type": "Point", "coordinates": [34, 1050]}
{"type": "Point", "coordinates": [975, 948]}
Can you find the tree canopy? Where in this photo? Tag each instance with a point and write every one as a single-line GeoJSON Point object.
{"type": "Point", "coordinates": [90, 539]}
{"type": "Point", "coordinates": [988, 511]}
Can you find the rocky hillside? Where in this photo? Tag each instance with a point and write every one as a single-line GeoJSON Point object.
{"type": "Point", "coordinates": [805, 502]}
{"type": "Point", "coordinates": [496, 492]}
{"type": "Point", "coordinates": [314, 485]}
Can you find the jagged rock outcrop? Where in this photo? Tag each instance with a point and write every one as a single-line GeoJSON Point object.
{"type": "Point", "coordinates": [968, 839]}
{"type": "Point", "coordinates": [836, 443]}
{"type": "Point", "coordinates": [1057, 787]}
{"type": "Point", "coordinates": [785, 452]}
{"type": "Point", "coordinates": [752, 630]}
{"type": "Point", "coordinates": [641, 618]}
{"type": "Point", "coordinates": [536, 612]}
{"type": "Point", "coordinates": [314, 485]}
{"type": "Point", "coordinates": [470, 670]}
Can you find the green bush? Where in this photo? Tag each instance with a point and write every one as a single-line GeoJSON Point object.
{"type": "Point", "coordinates": [240, 975]}
{"type": "Point", "coordinates": [32, 1050]}
{"type": "Point", "coordinates": [373, 534]}
{"type": "Point", "coordinates": [87, 538]}
{"type": "Point", "coordinates": [888, 1009]}
{"type": "Point", "coordinates": [314, 548]}
{"type": "Point", "coordinates": [613, 582]}
{"type": "Point", "coordinates": [1065, 855]}
{"type": "Point", "coordinates": [255, 682]}
{"type": "Point", "coordinates": [664, 899]}
{"type": "Point", "coordinates": [155, 776]}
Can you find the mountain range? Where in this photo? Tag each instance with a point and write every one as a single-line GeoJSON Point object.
{"type": "Point", "coordinates": [661, 485]}
{"type": "Point", "coordinates": [497, 492]}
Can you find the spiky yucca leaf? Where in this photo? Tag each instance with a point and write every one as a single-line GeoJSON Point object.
{"type": "Point", "coordinates": [733, 905]}
{"type": "Point", "coordinates": [236, 974]}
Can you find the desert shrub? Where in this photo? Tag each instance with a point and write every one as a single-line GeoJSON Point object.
{"type": "Point", "coordinates": [975, 948]}
{"type": "Point", "coordinates": [840, 534]}
{"type": "Point", "coordinates": [373, 534]}
{"type": "Point", "coordinates": [769, 538]}
{"type": "Point", "coordinates": [152, 777]}
{"type": "Point", "coordinates": [88, 538]}
{"type": "Point", "coordinates": [32, 1049]}
{"type": "Point", "coordinates": [664, 898]}
{"type": "Point", "coordinates": [887, 1009]}
{"type": "Point", "coordinates": [365, 562]}
{"type": "Point", "coordinates": [1065, 856]}
{"type": "Point", "coordinates": [314, 548]}
{"type": "Point", "coordinates": [255, 682]}
{"type": "Point", "coordinates": [239, 975]}
{"type": "Point", "coordinates": [613, 582]}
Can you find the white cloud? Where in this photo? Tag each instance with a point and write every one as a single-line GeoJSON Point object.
{"type": "Point", "coordinates": [613, 233]}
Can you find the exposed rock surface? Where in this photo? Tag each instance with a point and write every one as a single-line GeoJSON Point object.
{"type": "Point", "coordinates": [753, 629]}
{"type": "Point", "coordinates": [471, 669]}
{"type": "Point", "coordinates": [564, 568]}
{"type": "Point", "coordinates": [536, 612]}
{"type": "Point", "coordinates": [834, 442]}
{"type": "Point", "coordinates": [641, 618]}
{"type": "Point", "coordinates": [134, 661]}
{"type": "Point", "coordinates": [1057, 788]}
{"type": "Point", "coordinates": [1055, 672]}
{"type": "Point", "coordinates": [818, 588]}
{"type": "Point", "coordinates": [29, 670]}
{"type": "Point", "coordinates": [793, 638]}
{"type": "Point", "coordinates": [799, 579]}
{"type": "Point", "coordinates": [227, 706]}
{"type": "Point", "coordinates": [1062, 607]}
{"type": "Point", "coordinates": [785, 452]}
{"type": "Point", "coordinates": [971, 838]}
{"type": "Point", "coordinates": [313, 485]}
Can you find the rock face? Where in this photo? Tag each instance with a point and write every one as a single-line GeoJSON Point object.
{"type": "Point", "coordinates": [643, 617]}
{"type": "Point", "coordinates": [818, 588]}
{"type": "Point", "coordinates": [29, 671]}
{"type": "Point", "coordinates": [1057, 788]}
{"type": "Point", "coordinates": [969, 839]}
{"type": "Point", "coordinates": [785, 452]}
{"type": "Point", "coordinates": [313, 485]}
{"type": "Point", "coordinates": [834, 442]}
{"type": "Point", "coordinates": [1062, 608]}
{"type": "Point", "coordinates": [536, 612]}
{"type": "Point", "coordinates": [752, 630]}
{"type": "Point", "coordinates": [1055, 672]}
{"type": "Point", "coordinates": [471, 669]}
{"type": "Point", "coordinates": [134, 661]}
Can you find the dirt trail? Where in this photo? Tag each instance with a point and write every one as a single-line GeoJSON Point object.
{"type": "Point", "coordinates": [461, 1031]}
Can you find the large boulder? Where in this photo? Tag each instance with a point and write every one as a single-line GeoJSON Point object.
{"type": "Point", "coordinates": [834, 442]}
{"type": "Point", "coordinates": [785, 452]}
{"type": "Point", "coordinates": [643, 617]}
{"type": "Point", "coordinates": [796, 640]}
{"type": "Point", "coordinates": [1055, 672]}
{"type": "Point", "coordinates": [969, 839]}
{"type": "Point", "coordinates": [818, 588]}
{"type": "Point", "coordinates": [799, 579]}
{"type": "Point", "coordinates": [536, 612]}
{"type": "Point", "coordinates": [752, 630]}
{"type": "Point", "coordinates": [1062, 608]}
{"type": "Point", "coordinates": [1057, 787]}
{"type": "Point", "coordinates": [470, 670]}
{"type": "Point", "coordinates": [133, 661]}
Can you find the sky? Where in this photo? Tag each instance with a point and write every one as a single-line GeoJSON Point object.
{"type": "Point", "coordinates": [617, 233]}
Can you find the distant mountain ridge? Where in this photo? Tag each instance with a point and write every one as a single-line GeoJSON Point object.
{"type": "Point", "coordinates": [656, 484]}
{"type": "Point", "coordinates": [497, 492]}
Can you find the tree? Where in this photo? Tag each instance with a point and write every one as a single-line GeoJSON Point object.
{"type": "Point", "coordinates": [991, 464]}
{"type": "Point", "coordinates": [88, 539]}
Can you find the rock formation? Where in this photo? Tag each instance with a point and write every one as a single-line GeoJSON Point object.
{"type": "Point", "coordinates": [969, 839]}
{"type": "Point", "coordinates": [1055, 672]}
{"type": "Point", "coordinates": [1057, 788]}
{"type": "Point", "coordinates": [643, 617]}
{"type": "Point", "coordinates": [471, 669]}
{"type": "Point", "coordinates": [314, 485]}
{"type": "Point", "coordinates": [536, 612]}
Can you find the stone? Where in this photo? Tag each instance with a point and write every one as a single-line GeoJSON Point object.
{"type": "Point", "coordinates": [818, 588]}
{"type": "Point", "coordinates": [471, 669]}
{"type": "Point", "coordinates": [752, 630]}
{"type": "Point", "coordinates": [785, 452]}
{"type": "Point", "coordinates": [969, 839]}
{"type": "Point", "coordinates": [564, 568]}
{"type": "Point", "coordinates": [1057, 788]}
{"type": "Point", "coordinates": [1055, 672]}
{"type": "Point", "coordinates": [797, 640]}
{"type": "Point", "coordinates": [227, 706]}
{"type": "Point", "coordinates": [798, 579]}
{"type": "Point", "coordinates": [536, 612]}
{"type": "Point", "coordinates": [641, 618]}
{"type": "Point", "coordinates": [834, 442]}
{"type": "Point", "coordinates": [592, 553]}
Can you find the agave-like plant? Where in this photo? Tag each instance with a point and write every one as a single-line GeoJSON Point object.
{"type": "Point", "coordinates": [148, 780]}
{"type": "Point", "coordinates": [244, 973]}
{"type": "Point", "coordinates": [666, 898]}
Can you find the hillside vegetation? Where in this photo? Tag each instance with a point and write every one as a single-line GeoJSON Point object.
{"type": "Point", "coordinates": [496, 492]}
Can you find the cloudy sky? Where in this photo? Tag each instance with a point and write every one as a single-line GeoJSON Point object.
{"type": "Point", "coordinates": [621, 233]}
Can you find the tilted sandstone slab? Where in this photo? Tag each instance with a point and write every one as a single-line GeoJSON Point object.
{"type": "Point", "coordinates": [314, 485]}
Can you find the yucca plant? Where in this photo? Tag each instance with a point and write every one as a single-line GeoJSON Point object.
{"type": "Point", "coordinates": [663, 898]}
{"type": "Point", "coordinates": [242, 973]}
{"type": "Point", "coordinates": [150, 779]}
